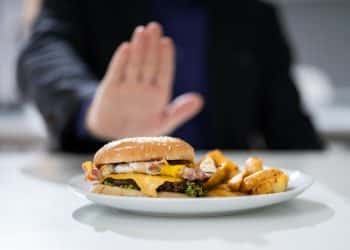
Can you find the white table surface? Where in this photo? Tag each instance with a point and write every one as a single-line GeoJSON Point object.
{"type": "Point", "coordinates": [38, 211]}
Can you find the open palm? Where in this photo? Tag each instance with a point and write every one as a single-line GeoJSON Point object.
{"type": "Point", "coordinates": [133, 98]}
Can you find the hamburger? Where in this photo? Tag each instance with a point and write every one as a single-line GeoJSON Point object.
{"type": "Point", "coordinates": [146, 166]}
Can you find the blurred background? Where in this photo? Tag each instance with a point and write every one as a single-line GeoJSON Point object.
{"type": "Point", "coordinates": [318, 30]}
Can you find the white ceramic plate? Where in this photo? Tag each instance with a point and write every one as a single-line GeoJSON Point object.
{"type": "Point", "coordinates": [298, 182]}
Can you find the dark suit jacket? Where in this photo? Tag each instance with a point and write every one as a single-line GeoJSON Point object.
{"type": "Point", "coordinates": [249, 61]}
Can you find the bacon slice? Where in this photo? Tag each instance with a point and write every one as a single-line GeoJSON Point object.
{"type": "Point", "coordinates": [194, 174]}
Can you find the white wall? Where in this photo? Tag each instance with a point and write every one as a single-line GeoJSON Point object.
{"type": "Point", "coordinates": [320, 32]}
{"type": "Point", "coordinates": [10, 37]}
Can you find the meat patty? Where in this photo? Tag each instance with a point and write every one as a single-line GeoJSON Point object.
{"type": "Point", "coordinates": [182, 162]}
{"type": "Point", "coordinates": [129, 183]}
{"type": "Point", "coordinates": [176, 187]}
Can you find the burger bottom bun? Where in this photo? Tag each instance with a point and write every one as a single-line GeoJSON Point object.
{"type": "Point", "coordinates": [109, 190]}
{"type": "Point", "coordinates": [105, 189]}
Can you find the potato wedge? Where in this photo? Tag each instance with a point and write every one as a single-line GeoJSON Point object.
{"type": "Point", "coordinates": [221, 175]}
{"type": "Point", "coordinates": [207, 165]}
{"type": "Point", "coordinates": [223, 187]}
{"type": "Point", "coordinates": [217, 156]}
{"type": "Point", "coordinates": [253, 180]}
{"type": "Point", "coordinates": [281, 183]}
{"type": "Point", "coordinates": [235, 182]}
{"type": "Point", "coordinates": [274, 184]}
{"type": "Point", "coordinates": [221, 160]}
{"type": "Point", "coordinates": [264, 187]}
{"type": "Point", "coordinates": [233, 170]}
{"type": "Point", "coordinates": [253, 165]}
{"type": "Point", "coordinates": [90, 171]}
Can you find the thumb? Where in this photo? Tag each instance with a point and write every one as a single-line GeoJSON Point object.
{"type": "Point", "coordinates": [183, 108]}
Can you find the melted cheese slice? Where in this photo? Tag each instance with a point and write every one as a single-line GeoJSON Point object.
{"type": "Point", "coordinates": [148, 184]}
{"type": "Point", "coordinates": [172, 170]}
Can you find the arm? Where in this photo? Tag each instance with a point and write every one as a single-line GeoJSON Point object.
{"type": "Point", "coordinates": [284, 123]}
{"type": "Point", "coordinates": [51, 71]}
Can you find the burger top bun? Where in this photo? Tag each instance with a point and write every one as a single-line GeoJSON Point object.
{"type": "Point", "coordinates": [144, 149]}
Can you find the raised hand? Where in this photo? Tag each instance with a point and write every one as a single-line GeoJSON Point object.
{"type": "Point", "coordinates": [133, 98]}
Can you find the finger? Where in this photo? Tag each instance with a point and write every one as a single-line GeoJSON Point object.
{"type": "Point", "coordinates": [133, 69]}
{"type": "Point", "coordinates": [181, 110]}
{"type": "Point", "coordinates": [116, 69]}
{"type": "Point", "coordinates": [167, 63]}
{"type": "Point", "coordinates": [153, 33]}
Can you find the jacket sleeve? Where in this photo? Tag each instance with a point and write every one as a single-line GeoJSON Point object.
{"type": "Point", "coordinates": [285, 125]}
{"type": "Point", "coordinates": [51, 72]}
